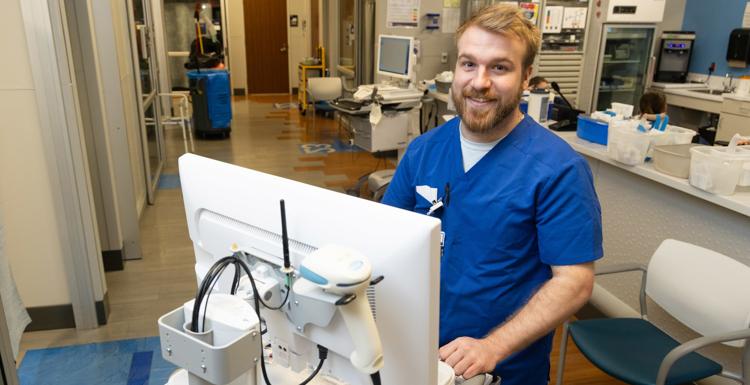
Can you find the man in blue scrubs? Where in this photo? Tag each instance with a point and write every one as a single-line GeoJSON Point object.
{"type": "Point", "coordinates": [521, 218]}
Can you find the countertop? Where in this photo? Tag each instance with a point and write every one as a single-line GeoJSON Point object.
{"type": "Point", "coordinates": [691, 93]}
{"type": "Point", "coordinates": [739, 202]}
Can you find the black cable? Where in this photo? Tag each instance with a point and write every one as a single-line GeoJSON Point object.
{"type": "Point", "coordinates": [256, 302]}
{"type": "Point", "coordinates": [205, 306]}
{"type": "Point", "coordinates": [286, 296]}
{"type": "Point", "coordinates": [375, 377]}
{"type": "Point", "coordinates": [322, 355]}
{"type": "Point", "coordinates": [205, 285]}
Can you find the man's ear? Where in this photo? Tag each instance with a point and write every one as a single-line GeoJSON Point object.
{"type": "Point", "coordinates": [527, 76]}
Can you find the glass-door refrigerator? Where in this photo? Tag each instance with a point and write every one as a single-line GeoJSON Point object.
{"type": "Point", "coordinates": [624, 58]}
{"type": "Point", "coordinates": [619, 52]}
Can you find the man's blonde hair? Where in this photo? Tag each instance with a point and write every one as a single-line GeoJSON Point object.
{"type": "Point", "coordinates": [506, 19]}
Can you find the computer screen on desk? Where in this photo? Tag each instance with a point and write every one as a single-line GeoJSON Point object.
{"type": "Point", "coordinates": [233, 208]}
{"type": "Point", "coordinates": [395, 56]}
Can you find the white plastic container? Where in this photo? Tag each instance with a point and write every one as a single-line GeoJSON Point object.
{"type": "Point", "coordinates": [673, 159]}
{"type": "Point", "coordinates": [745, 178]}
{"type": "Point", "coordinates": [625, 110]}
{"type": "Point", "coordinates": [717, 171]}
{"type": "Point", "coordinates": [674, 135]}
{"type": "Point", "coordinates": [625, 144]}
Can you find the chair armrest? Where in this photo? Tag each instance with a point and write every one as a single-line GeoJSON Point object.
{"type": "Point", "coordinates": [619, 268]}
{"type": "Point", "coordinates": [628, 267]}
{"type": "Point", "coordinates": [693, 345]}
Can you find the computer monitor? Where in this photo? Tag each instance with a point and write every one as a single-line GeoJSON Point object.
{"type": "Point", "coordinates": [396, 56]}
{"type": "Point", "coordinates": [229, 207]}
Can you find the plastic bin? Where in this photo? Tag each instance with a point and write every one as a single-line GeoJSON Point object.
{"type": "Point", "coordinates": [592, 130]}
{"type": "Point", "coordinates": [212, 102]}
{"type": "Point", "coordinates": [674, 135]}
{"type": "Point", "coordinates": [626, 145]}
{"type": "Point", "coordinates": [717, 171]}
{"type": "Point", "coordinates": [673, 159]}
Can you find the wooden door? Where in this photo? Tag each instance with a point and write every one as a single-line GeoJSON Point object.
{"type": "Point", "coordinates": [314, 26]}
{"type": "Point", "coordinates": [266, 46]}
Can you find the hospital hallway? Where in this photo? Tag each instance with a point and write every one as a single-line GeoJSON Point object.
{"type": "Point", "coordinates": [274, 140]}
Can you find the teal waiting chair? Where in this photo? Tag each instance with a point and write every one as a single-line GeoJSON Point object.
{"type": "Point", "coordinates": [706, 291]}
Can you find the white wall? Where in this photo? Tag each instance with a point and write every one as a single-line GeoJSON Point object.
{"type": "Point", "coordinates": [298, 37]}
{"type": "Point", "coordinates": [33, 241]}
{"type": "Point", "coordinates": [236, 23]}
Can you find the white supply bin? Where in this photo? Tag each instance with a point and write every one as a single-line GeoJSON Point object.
{"type": "Point", "coordinates": [718, 171]}
{"type": "Point", "coordinates": [625, 144]}
{"type": "Point", "coordinates": [674, 135]}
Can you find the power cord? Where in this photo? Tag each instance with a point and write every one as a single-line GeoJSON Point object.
{"type": "Point", "coordinates": [322, 355]}
{"type": "Point", "coordinates": [210, 280]}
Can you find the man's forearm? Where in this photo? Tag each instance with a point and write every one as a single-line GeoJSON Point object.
{"type": "Point", "coordinates": [557, 300]}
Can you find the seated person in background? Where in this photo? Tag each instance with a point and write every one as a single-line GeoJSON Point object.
{"type": "Point", "coordinates": [652, 104]}
{"type": "Point", "coordinates": [537, 83]}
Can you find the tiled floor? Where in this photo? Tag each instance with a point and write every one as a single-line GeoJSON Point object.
{"type": "Point", "coordinates": [264, 139]}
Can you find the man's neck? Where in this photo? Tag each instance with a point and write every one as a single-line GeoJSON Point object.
{"type": "Point", "coordinates": [501, 130]}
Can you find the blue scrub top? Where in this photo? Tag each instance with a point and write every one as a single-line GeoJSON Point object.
{"type": "Point", "coordinates": [528, 204]}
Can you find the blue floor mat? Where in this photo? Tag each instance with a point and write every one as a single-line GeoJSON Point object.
{"type": "Point", "coordinates": [126, 362]}
{"type": "Point", "coordinates": [168, 181]}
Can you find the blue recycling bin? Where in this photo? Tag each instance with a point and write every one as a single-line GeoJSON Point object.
{"type": "Point", "coordinates": [212, 102]}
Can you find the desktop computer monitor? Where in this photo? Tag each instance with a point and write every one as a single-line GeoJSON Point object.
{"type": "Point", "coordinates": [396, 56]}
{"type": "Point", "coordinates": [233, 208]}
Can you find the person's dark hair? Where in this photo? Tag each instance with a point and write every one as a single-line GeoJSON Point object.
{"type": "Point", "coordinates": [653, 103]}
{"type": "Point", "coordinates": [536, 80]}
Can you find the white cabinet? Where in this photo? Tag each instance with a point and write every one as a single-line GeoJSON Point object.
{"type": "Point", "coordinates": [735, 118]}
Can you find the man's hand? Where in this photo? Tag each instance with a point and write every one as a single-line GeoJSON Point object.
{"type": "Point", "coordinates": [470, 357]}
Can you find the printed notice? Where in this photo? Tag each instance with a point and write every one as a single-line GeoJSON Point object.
{"type": "Point", "coordinates": [574, 18]}
{"type": "Point", "coordinates": [403, 13]}
{"type": "Point", "coordinates": [552, 21]}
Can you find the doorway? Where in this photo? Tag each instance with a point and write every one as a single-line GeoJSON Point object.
{"type": "Point", "coordinates": [266, 47]}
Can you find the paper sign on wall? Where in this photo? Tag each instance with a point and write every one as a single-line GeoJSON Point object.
{"type": "Point", "coordinates": [574, 18]}
{"type": "Point", "coordinates": [552, 19]}
{"type": "Point", "coordinates": [530, 10]}
{"type": "Point", "coordinates": [403, 13]}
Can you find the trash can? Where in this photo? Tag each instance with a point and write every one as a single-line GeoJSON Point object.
{"type": "Point", "coordinates": [212, 102]}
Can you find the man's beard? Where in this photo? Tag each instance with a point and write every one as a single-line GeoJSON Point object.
{"type": "Point", "coordinates": [480, 121]}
